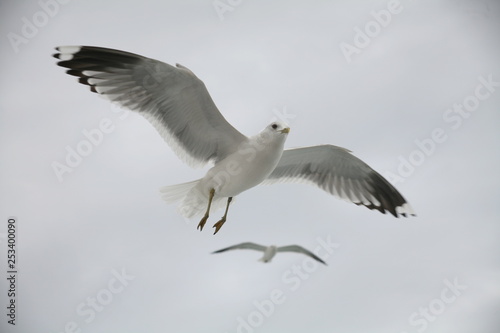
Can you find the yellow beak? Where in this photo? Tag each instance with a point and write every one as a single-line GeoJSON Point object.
{"type": "Point", "coordinates": [285, 130]}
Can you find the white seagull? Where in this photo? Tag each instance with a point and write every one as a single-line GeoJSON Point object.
{"type": "Point", "coordinates": [178, 104]}
{"type": "Point", "coordinates": [270, 251]}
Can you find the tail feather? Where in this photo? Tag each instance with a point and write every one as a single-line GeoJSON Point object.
{"type": "Point", "coordinates": [175, 193]}
{"type": "Point", "coordinates": [191, 201]}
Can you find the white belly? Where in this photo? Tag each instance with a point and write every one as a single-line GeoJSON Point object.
{"type": "Point", "coordinates": [242, 170]}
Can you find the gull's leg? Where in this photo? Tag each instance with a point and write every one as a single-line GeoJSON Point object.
{"type": "Point", "coordinates": [219, 224]}
{"type": "Point", "coordinates": [205, 218]}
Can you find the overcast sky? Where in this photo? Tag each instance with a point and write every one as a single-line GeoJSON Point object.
{"type": "Point", "coordinates": [411, 87]}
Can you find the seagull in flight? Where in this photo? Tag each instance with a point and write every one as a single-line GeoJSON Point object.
{"type": "Point", "coordinates": [176, 102]}
{"type": "Point", "coordinates": [270, 251]}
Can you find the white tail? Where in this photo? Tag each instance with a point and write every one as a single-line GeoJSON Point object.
{"type": "Point", "coordinates": [191, 200]}
{"type": "Point", "coordinates": [175, 193]}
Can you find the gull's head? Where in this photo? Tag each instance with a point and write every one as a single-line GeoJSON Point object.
{"type": "Point", "coordinates": [278, 128]}
{"type": "Point", "coordinates": [275, 133]}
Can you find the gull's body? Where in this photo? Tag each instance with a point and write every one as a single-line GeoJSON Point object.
{"type": "Point", "coordinates": [251, 164]}
{"type": "Point", "coordinates": [179, 106]}
{"type": "Point", "coordinates": [270, 251]}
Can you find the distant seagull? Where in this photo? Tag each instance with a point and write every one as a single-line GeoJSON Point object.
{"type": "Point", "coordinates": [178, 104]}
{"type": "Point", "coordinates": [270, 251]}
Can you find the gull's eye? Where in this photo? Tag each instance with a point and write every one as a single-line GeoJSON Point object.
{"type": "Point", "coordinates": [274, 126]}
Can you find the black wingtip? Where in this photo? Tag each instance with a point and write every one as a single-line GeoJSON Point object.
{"type": "Point", "coordinates": [324, 263]}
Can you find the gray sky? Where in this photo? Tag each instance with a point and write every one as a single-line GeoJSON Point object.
{"type": "Point", "coordinates": [394, 102]}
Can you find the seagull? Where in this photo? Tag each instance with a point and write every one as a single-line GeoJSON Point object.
{"type": "Point", "coordinates": [176, 102]}
{"type": "Point", "coordinates": [270, 251]}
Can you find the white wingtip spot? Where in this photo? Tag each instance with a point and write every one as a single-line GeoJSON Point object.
{"type": "Point", "coordinates": [90, 73]}
{"type": "Point", "coordinates": [67, 52]}
{"type": "Point", "coordinates": [405, 209]}
{"type": "Point", "coordinates": [374, 201]}
{"type": "Point", "coordinates": [65, 57]}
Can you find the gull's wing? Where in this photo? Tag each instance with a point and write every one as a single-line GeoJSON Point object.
{"type": "Point", "coordinates": [338, 172]}
{"type": "Point", "coordinates": [299, 249]}
{"type": "Point", "coordinates": [172, 98]}
{"type": "Point", "coordinates": [247, 245]}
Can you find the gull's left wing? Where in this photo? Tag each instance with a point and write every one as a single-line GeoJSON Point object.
{"type": "Point", "coordinates": [338, 172]}
{"type": "Point", "coordinates": [299, 249]}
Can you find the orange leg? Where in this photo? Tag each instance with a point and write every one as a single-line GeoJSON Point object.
{"type": "Point", "coordinates": [205, 218]}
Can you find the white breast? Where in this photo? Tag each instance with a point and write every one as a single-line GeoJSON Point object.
{"type": "Point", "coordinates": [245, 168]}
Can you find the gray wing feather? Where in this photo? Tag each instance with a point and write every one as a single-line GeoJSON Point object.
{"type": "Point", "coordinates": [299, 249]}
{"type": "Point", "coordinates": [172, 98]}
{"type": "Point", "coordinates": [338, 172]}
{"type": "Point", "coordinates": [247, 245]}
